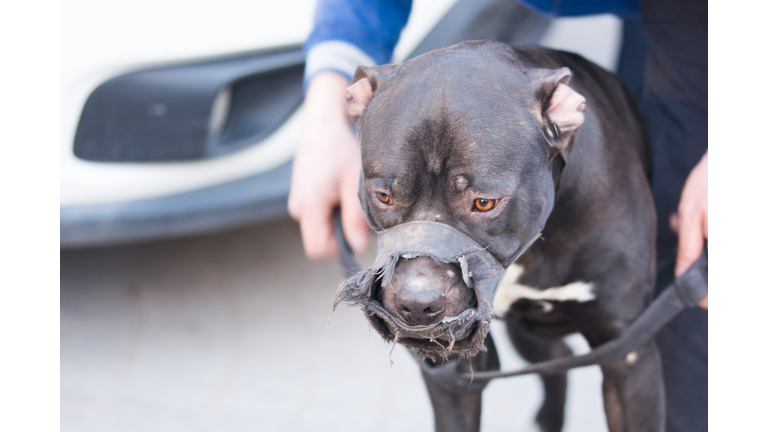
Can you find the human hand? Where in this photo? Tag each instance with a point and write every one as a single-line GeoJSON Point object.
{"type": "Point", "coordinates": [691, 220]}
{"type": "Point", "coordinates": [326, 171]}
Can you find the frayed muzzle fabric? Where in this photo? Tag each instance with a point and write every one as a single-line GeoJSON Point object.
{"type": "Point", "coordinates": [463, 334]}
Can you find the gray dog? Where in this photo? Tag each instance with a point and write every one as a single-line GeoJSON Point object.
{"type": "Point", "coordinates": [500, 143]}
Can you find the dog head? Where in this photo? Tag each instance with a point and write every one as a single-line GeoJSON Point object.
{"type": "Point", "coordinates": [467, 137]}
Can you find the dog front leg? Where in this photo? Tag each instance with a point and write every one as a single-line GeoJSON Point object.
{"type": "Point", "coordinates": [633, 391]}
{"type": "Point", "coordinates": [633, 387]}
{"type": "Point", "coordinates": [456, 411]}
{"type": "Point", "coordinates": [535, 349]}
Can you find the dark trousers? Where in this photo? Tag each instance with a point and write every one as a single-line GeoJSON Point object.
{"type": "Point", "coordinates": [664, 63]}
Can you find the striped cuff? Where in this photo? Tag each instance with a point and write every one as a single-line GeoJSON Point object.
{"type": "Point", "coordinates": [338, 56]}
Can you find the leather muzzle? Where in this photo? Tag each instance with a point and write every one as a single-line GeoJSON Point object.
{"type": "Point", "coordinates": [481, 270]}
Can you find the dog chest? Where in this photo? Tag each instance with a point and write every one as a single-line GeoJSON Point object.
{"type": "Point", "coordinates": [510, 291]}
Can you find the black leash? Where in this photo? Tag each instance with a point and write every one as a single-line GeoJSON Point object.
{"type": "Point", "coordinates": [349, 264]}
{"type": "Point", "coordinates": [686, 291]}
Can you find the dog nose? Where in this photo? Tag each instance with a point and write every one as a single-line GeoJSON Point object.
{"type": "Point", "coordinates": [423, 307]}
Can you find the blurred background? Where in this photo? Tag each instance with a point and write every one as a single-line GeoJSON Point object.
{"type": "Point", "coordinates": [186, 299]}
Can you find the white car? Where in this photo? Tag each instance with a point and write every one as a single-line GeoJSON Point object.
{"type": "Point", "coordinates": [182, 118]}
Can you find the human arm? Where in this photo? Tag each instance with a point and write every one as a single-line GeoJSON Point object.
{"type": "Point", "coordinates": [691, 220]}
{"type": "Point", "coordinates": [326, 167]}
{"type": "Point", "coordinates": [326, 170]}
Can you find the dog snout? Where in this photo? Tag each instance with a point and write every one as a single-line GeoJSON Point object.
{"type": "Point", "coordinates": [424, 291]}
{"type": "Point", "coordinates": [422, 307]}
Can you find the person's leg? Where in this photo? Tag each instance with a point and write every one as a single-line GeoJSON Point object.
{"type": "Point", "coordinates": [674, 104]}
{"type": "Point", "coordinates": [634, 50]}
{"type": "Point", "coordinates": [674, 100]}
{"type": "Point", "coordinates": [684, 354]}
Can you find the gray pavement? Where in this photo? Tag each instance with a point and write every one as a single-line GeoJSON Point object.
{"type": "Point", "coordinates": [227, 332]}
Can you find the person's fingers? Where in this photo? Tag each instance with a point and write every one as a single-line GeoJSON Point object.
{"type": "Point", "coordinates": [674, 222]}
{"type": "Point", "coordinates": [704, 303]}
{"type": "Point", "coordinates": [352, 217]}
{"type": "Point", "coordinates": [691, 241]}
{"type": "Point", "coordinates": [692, 217]}
{"type": "Point", "coordinates": [317, 231]}
{"type": "Point", "coordinates": [293, 202]}
{"type": "Point", "coordinates": [325, 147]}
{"type": "Point", "coordinates": [311, 215]}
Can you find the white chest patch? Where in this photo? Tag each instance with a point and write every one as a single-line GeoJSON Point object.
{"type": "Point", "coordinates": [510, 291]}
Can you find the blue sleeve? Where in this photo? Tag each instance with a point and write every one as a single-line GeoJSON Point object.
{"type": "Point", "coordinates": [348, 33]}
{"type": "Point", "coordinates": [564, 8]}
{"type": "Point", "coordinates": [373, 26]}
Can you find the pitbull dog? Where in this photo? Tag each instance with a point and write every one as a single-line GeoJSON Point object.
{"type": "Point", "coordinates": [498, 142]}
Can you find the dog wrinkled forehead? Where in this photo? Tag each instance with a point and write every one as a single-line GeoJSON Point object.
{"type": "Point", "coordinates": [464, 107]}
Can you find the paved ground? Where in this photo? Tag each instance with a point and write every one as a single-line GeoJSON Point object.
{"type": "Point", "coordinates": [227, 332]}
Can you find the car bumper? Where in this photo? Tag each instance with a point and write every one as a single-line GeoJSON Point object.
{"type": "Point", "coordinates": [254, 199]}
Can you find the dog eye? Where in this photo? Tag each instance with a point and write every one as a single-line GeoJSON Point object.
{"type": "Point", "coordinates": [484, 204]}
{"type": "Point", "coordinates": [383, 197]}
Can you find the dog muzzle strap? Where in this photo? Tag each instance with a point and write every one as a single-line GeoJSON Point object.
{"type": "Point", "coordinates": [444, 244]}
{"type": "Point", "coordinates": [481, 271]}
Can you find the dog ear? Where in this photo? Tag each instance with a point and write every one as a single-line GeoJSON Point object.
{"type": "Point", "coordinates": [562, 108]}
{"type": "Point", "coordinates": [365, 82]}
